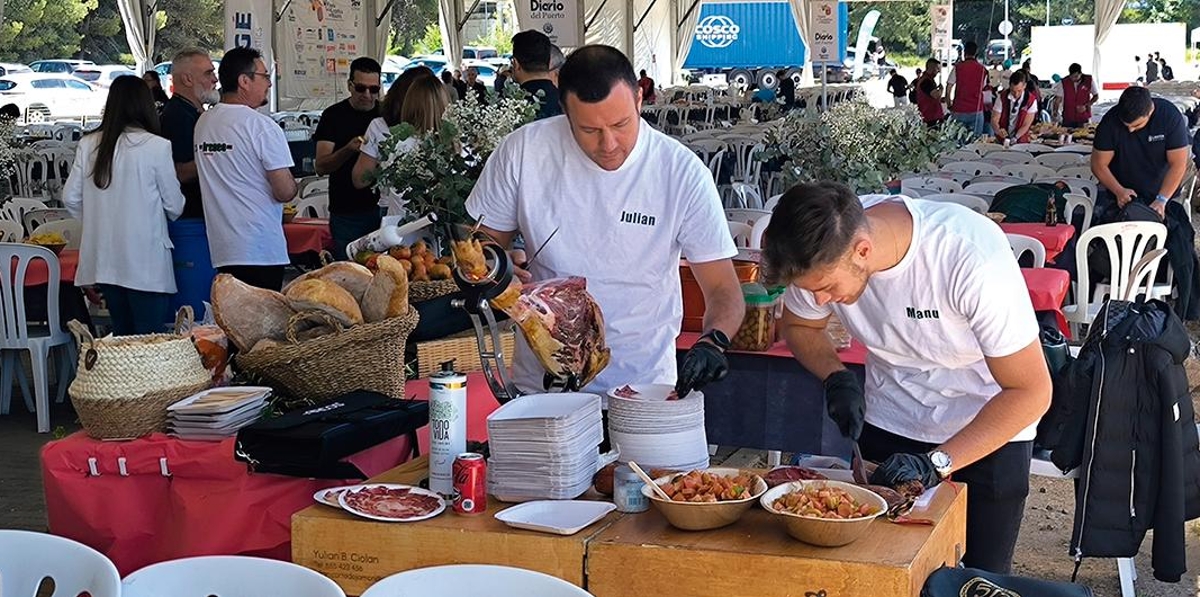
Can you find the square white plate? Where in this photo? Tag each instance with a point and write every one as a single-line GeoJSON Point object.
{"type": "Point", "coordinates": [561, 517]}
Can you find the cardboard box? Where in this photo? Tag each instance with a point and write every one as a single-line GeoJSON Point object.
{"type": "Point", "coordinates": [642, 555]}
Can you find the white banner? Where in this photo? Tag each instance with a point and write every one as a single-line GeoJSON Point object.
{"type": "Point", "coordinates": [560, 20]}
{"type": "Point", "coordinates": [942, 17]}
{"type": "Point", "coordinates": [248, 23]}
{"type": "Point", "coordinates": [823, 42]}
{"type": "Point", "coordinates": [318, 39]}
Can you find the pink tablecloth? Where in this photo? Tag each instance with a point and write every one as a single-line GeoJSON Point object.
{"type": "Point", "coordinates": [68, 261]}
{"type": "Point", "coordinates": [1047, 290]}
{"type": "Point", "coordinates": [855, 355]}
{"type": "Point", "coordinates": [1054, 238]}
{"type": "Point", "coordinates": [307, 235]}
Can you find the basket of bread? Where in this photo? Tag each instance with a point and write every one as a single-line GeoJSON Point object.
{"type": "Point", "coordinates": [331, 331]}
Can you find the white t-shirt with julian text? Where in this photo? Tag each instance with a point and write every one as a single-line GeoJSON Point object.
{"type": "Point", "coordinates": [623, 230]}
{"type": "Point", "coordinates": [956, 297]}
{"type": "Point", "coordinates": [235, 148]}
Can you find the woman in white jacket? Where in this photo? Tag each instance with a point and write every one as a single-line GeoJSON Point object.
{"type": "Point", "coordinates": [123, 188]}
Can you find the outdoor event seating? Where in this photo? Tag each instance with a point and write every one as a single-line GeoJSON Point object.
{"type": "Point", "coordinates": [996, 178]}
{"type": "Point", "coordinates": [471, 579]}
{"type": "Point", "coordinates": [746, 216]}
{"type": "Point", "coordinates": [971, 202]}
{"type": "Point", "coordinates": [1027, 172]}
{"type": "Point", "coordinates": [1034, 148]}
{"type": "Point", "coordinates": [1127, 242]}
{"type": "Point", "coordinates": [315, 205]}
{"type": "Point", "coordinates": [741, 234]}
{"type": "Point", "coordinates": [1022, 244]}
{"type": "Point", "coordinates": [27, 559]}
{"type": "Point", "coordinates": [745, 195]}
{"type": "Point", "coordinates": [312, 185]}
{"type": "Point", "coordinates": [929, 185]}
{"type": "Point", "coordinates": [14, 209]}
{"type": "Point", "coordinates": [1074, 148]}
{"type": "Point", "coordinates": [1076, 202]}
{"type": "Point", "coordinates": [1011, 156]}
{"type": "Point", "coordinates": [984, 149]}
{"type": "Point", "coordinates": [228, 576]}
{"type": "Point", "coordinates": [36, 217]}
{"type": "Point", "coordinates": [1080, 186]}
{"type": "Point", "coordinates": [70, 228]}
{"type": "Point", "coordinates": [1080, 172]}
{"type": "Point", "coordinates": [971, 168]}
{"type": "Point", "coordinates": [11, 232]}
{"type": "Point", "coordinates": [986, 189]}
{"type": "Point", "coordinates": [1058, 160]}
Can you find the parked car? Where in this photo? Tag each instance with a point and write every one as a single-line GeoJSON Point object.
{"type": "Point", "coordinates": [487, 72]}
{"type": "Point", "coordinates": [434, 63]}
{"type": "Point", "coordinates": [103, 75]}
{"type": "Point", "coordinates": [999, 50]}
{"type": "Point", "coordinates": [59, 66]}
{"type": "Point", "coordinates": [13, 67]}
{"type": "Point", "coordinates": [392, 67]}
{"type": "Point", "coordinates": [46, 96]}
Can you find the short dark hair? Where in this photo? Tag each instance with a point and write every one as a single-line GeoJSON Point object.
{"type": "Point", "coordinates": [813, 226]}
{"type": "Point", "coordinates": [892, 71]}
{"type": "Point", "coordinates": [1017, 78]}
{"type": "Point", "coordinates": [365, 65]}
{"type": "Point", "coordinates": [10, 111]}
{"type": "Point", "coordinates": [1074, 68]}
{"type": "Point", "coordinates": [970, 48]}
{"type": "Point", "coordinates": [153, 74]}
{"type": "Point", "coordinates": [932, 62]}
{"type": "Point", "coordinates": [591, 72]}
{"type": "Point", "coordinates": [236, 62]}
{"type": "Point", "coordinates": [531, 49]}
{"type": "Point", "coordinates": [1135, 103]}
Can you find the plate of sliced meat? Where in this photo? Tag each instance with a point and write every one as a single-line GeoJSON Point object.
{"type": "Point", "coordinates": [330, 496]}
{"type": "Point", "coordinates": [391, 502]}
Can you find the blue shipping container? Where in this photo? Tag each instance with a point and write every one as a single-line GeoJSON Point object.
{"type": "Point", "coordinates": [751, 35]}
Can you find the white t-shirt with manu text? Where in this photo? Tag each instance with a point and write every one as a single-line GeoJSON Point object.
{"type": "Point", "coordinates": [235, 148]}
{"type": "Point", "coordinates": [623, 230]}
{"type": "Point", "coordinates": [956, 297]}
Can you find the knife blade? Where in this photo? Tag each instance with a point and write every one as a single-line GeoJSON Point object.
{"type": "Point", "coordinates": [857, 466]}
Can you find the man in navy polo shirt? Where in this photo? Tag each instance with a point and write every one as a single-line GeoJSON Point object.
{"type": "Point", "coordinates": [1141, 152]}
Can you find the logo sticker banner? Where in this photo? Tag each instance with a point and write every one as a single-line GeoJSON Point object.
{"type": "Point", "coordinates": [942, 17]}
{"type": "Point", "coordinates": [558, 19]}
{"type": "Point", "coordinates": [823, 31]}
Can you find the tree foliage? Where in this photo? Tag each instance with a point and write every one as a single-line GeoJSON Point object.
{"type": "Point", "coordinates": [411, 20]}
{"type": "Point", "coordinates": [190, 24]}
{"type": "Point", "coordinates": [103, 37]}
{"type": "Point", "coordinates": [35, 29]}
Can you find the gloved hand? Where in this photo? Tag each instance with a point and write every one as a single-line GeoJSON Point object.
{"type": "Point", "coordinates": [704, 363]}
{"type": "Point", "coordinates": [899, 468]}
{"type": "Point", "coordinates": [845, 402]}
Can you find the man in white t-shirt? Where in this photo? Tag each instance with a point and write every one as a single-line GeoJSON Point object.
{"type": "Point", "coordinates": [626, 201]}
{"type": "Point", "coordinates": [955, 377]}
{"type": "Point", "coordinates": [244, 164]}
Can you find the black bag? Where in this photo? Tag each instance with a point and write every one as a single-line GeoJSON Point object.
{"type": "Point", "coordinates": [956, 582]}
{"type": "Point", "coordinates": [1026, 203]}
{"type": "Point", "coordinates": [311, 442]}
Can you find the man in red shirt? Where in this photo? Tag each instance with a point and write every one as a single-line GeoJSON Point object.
{"type": "Point", "coordinates": [965, 85]}
{"type": "Point", "coordinates": [1077, 93]}
{"type": "Point", "coordinates": [929, 94]}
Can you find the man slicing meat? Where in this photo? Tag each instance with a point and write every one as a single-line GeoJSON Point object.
{"type": "Point", "coordinates": [955, 378]}
{"type": "Point", "coordinates": [629, 201]}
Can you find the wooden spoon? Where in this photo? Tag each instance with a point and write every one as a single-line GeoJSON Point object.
{"type": "Point", "coordinates": [641, 473]}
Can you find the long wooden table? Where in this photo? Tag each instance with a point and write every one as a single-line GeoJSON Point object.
{"type": "Point", "coordinates": [637, 554]}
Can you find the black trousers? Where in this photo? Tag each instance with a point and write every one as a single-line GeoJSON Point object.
{"type": "Point", "coordinates": [259, 276]}
{"type": "Point", "coordinates": [996, 490]}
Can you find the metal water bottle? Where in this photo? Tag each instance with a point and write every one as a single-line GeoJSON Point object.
{"type": "Point", "coordinates": [447, 426]}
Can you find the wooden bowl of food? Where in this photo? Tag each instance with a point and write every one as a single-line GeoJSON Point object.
{"type": "Point", "coordinates": [709, 499]}
{"type": "Point", "coordinates": [824, 513]}
{"type": "Point", "coordinates": [50, 240]}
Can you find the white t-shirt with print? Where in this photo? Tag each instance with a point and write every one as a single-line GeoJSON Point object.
{"type": "Point", "coordinates": [235, 147]}
{"type": "Point", "coordinates": [954, 298]}
{"type": "Point", "coordinates": [377, 132]}
{"type": "Point", "coordinates": [623, 230]}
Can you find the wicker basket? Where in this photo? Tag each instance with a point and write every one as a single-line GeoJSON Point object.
{"type": "Point", "coordinates": [462, 349]}
{"type": "Point", "coordinates": [425, 291]}
{"type": "Point", "coordinates": [367, 356]}
{"type": "Point", "coordinates": [124, 384]}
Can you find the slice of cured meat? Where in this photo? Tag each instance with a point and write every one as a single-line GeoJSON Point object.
{"type": "Point", "coordinates": [392, 503]}
{"type": "Point", "coordinates": [787, 474]}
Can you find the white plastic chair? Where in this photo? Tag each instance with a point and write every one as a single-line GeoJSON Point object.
{"type": "Point", "coordinates": [1076, 201]}
{"type": "Point", "coordinates": [1031, 147]}
{"type": "Point", "coordinates": [1074, 148]}
{"type": "Point", "coordinates": [986, 189]}
{"type": "Point", "coordinates": [1021, 243]}
{"type": "Point", "coordinates": [962, 155]}
{"type": "Point", "coordinates": [1079, 186]}
{"type": "Point", "coordinates": [1134, 238]}
{"type": "Point", "coordinates": [714, 164]}
{"type": "Point", "coordinates": [745, 215]}
{"type": "Point", "coordinates": [14, 209]}
{"type": "Point", "coordinates": [972, 169]}
{"type": "Point", "coordinates": [757, 231]}
{"type": "Point", "coordinates": [474, 579]}
{"type": "Point", "coordinates": [28, 558]}
{"type": "Point", "coordinates": [312, 185]}
{"type": "Point", "coordinates": [984, 148]}
{"type": "Point", "coordinates": [1058, 160]}
{"type": "Point", "coordinates": [740, 233]}
{"type": "Point", "coordinates": [313, 206]}
{"type": "Point", "coordinates": [1080, 172]}
{"type": "Point", "coordinates": [996, 178]}
{"type": "Point", "coordinates": [16, 333]}
{"type": "Point", "coordinates": [772, 203]}
{"type": "Point", "coordinates": [1027, 172]}
{"type": "Point", "coordinates": [972, 202]}
{"type": "Point", "coordinates": [929, 185]}
{"type": "Point", "coordinates": [36, 217]}
{"type": "Point", "coordinates": [1011, 156]}
{"type": "Point", "coordinates": [70, 228]}
{"type": "Point", "coordinates": [11, 232]}
{"type": "Point", "coordinates": [228, 576]}
{"type": "Point", "coordinates": [745, 195]}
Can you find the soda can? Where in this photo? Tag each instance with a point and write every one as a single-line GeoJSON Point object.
{"type": "Point", "coordinates": [470, 484]}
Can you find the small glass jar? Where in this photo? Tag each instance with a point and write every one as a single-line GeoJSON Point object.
{"type": "Point", "coordinates": [627, 490]}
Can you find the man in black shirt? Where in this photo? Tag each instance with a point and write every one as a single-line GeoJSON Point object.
{"type": "Point", "coordinates": [1141, 151]}
{"type": "Point", "coordinates": [353, 212]}
{"type": "Point", "coordinates": [531, 69]}
{"type": "Point", "coordinates": [787, 90]}
{"type": "Point", "coordinates": [474, 84]}
{"type": "Point", "coordinates": [898, 85]}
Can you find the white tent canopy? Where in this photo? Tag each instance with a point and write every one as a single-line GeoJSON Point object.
{"type": "Point", "coordinates": [138, 17]}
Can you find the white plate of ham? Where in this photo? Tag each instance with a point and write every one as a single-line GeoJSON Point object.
{"type": "Point", "coordinates": [391, 502]}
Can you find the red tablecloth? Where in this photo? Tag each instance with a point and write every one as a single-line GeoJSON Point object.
{"type": "Point", "coordinates": [1047, 290]}
{"type": "Point", "coordinates": [68, 262]}
{"type": "Point", "coordinates": [855, 355]}
{"type": "Point", "coordinates": [1054, 238]}
{"type": "Point", "coordinates": [480, 404]}
{"type": "Point", "coordinates": [210, 503]}
{"type": "Point", "coordinates": [307, 234]}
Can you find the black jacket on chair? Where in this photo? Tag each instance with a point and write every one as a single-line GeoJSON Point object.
{"type": "Point", "coordinates": [1123, 416]}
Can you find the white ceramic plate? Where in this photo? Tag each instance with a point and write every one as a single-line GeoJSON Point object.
{"type": "Point", "coordinates": [333, 501]}
{"type": "Point", "coordinates": [342, 500]}
{"type": "Point", "coordinates": [555, 516]}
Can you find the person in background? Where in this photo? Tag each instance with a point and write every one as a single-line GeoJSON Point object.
{"type": "Point", "coordinates": [557, 59]}
{"type": "Point", "coordinates": [424, 104]}
{"type": "Point", "coordinates": [459, 85]}
{"type": "Point", "coordinates": [1141, 152]}
{"type": "Point", "coordinates": [451, 89]}
{"type": "Point", "coordinates": [898, 86]}
{"type": "Point", "coordinates": [965, 85]}
{"type": "Point", "coordinates": [1139, 71]}
{"type": "Point", "coordinates": [1164, 69]}
{"type": "Point", "coordinates": [123, 190]}
{"type": "Point", "coordinates": [245, 174]}
{"type": "Point", "coordinates": [155, 84]}
{"type": "Point", "coordinates": [502, 78]}
{"type": "Point", "coordinates": [10, 112]}
{"type": "Point", "coordinates": [929, 94]}
{"type": "Point", "coordinates": [531, 69]}
{"type": "Point", "coordinates": [391, 113]}
{"type": "Point", "coordinates": [1032, 83]}
{"type": "Point", "coordinates": [1151, 68]}
{"type": "Point", "coordinates": [761, 94]}
{"type": "Point", "coordinates": [646, 84]}
{"type": "Point", "coordinates": [787, 90]}
{"type": "Point", "coordinates": [353, 211]}
{"type": "Point", "coordinates": [1015, 113]}
{"type": "Point", "coordinates": [475, 85]}
{"type": "Point", "coordinates": [1077, 94]}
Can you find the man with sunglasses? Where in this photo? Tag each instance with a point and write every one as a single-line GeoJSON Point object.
{"type": "Point", "coordinates": [353, 212]}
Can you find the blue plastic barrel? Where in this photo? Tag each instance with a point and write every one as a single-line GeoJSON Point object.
{"type": "Point", "coordinates": [194, 271]}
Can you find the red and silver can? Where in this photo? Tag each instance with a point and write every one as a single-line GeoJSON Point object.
{"type": "Point", "coordinates": [470, 484]}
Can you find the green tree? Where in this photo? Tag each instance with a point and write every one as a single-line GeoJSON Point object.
{"type": "Point", "coordinates": [411, 20]}
{"type": "Point", "coordinates": [34, 29]}
{"type": "Point", "coordinates": [190, 24]}
{"type": "Point", "coordinates": [430, 41]}
{"type": "Point", "coordinates": [103, 36]}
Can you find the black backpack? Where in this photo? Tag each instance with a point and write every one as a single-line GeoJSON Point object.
{"type": "Point", "coordinates": [956, 582]}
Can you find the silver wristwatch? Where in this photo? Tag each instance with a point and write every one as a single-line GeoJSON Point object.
{"type": "Point", "coordinates": [941, 463]}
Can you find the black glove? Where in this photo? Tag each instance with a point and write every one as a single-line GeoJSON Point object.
{"type": "Point", "coordinates": [702, 364]}
{"type": "Point", "coordinates": [845, 402]}
{"type": "Point", "coordinates": [899, 468]}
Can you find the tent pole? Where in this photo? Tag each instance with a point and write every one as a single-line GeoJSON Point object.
{"type": "Point", "coordinates": [635, 26]}
{"type": "Point", "coordinates": [595, 15]}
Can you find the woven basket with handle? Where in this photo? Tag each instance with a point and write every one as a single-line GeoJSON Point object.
{"type": "Point", "coordinates": [368, 356]}
{"type": "Point", "coordinates": [125, 383]}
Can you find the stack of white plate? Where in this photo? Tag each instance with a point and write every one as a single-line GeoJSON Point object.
{"type": "Point", "coordinates": [649, 425]}
{"type": "Point", "coordinates": [217, 413]}
{"type": "Point", "coordinates": [544, 446]}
